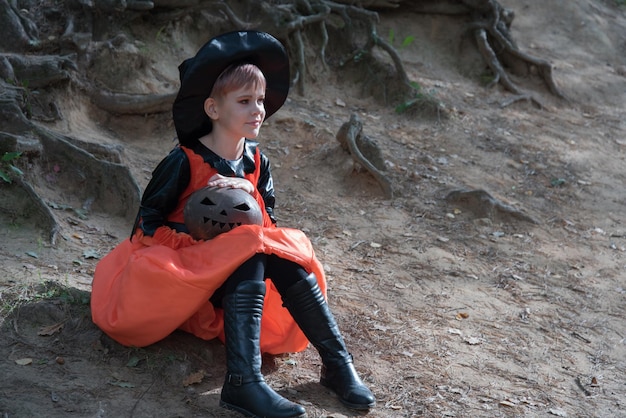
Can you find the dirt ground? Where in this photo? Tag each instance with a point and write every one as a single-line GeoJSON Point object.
{"type": "Point", "coordinates": [450, 309]}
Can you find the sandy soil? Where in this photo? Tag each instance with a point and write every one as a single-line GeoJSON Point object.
{"type": "Point", "coordinates": [449, 312]}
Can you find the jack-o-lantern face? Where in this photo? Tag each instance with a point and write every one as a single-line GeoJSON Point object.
{"type": "Point", "coordinates": [211, 211]}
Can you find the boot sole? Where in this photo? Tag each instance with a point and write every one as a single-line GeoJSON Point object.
{"type": "Point", "coordinates": [247, 413]}
{"type": "Point", "coordinates": [236, 408]}
{"type": "Point", "coordinates": [357, 406]}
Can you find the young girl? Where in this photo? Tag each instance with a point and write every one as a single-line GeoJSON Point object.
{"type": "Point", "coordinates": [258, 288]}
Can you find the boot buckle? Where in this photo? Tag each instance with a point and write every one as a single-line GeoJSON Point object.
{"type": "Point", "coordinates": [235, 379]}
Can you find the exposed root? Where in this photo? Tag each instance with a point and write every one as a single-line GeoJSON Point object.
{"type": "Point", "coordinates": [12, 118]}
{"type": "Point", "coordinates": [109, 186]}
{"type": "Point", "coordinates": [36, 211]}
{"type": "Point", "coordinates": [373, 4]}
{"type": "Point", "coordinates": [501, 75]}
{"type": "Point", "coordinates": [347, 136]}
{"type": "Point", "coordinates": [18, 32]}
{"type": "Point", "coordinates": [131, 104]}
{"type": "Point", "coordinates": [483, 205]}
{"type": "Point", "coordinates": [491, 32]}
{"type": "Point", "coordinates": [97, 170]}
{"type": "Point", "coordinates": [34, 71]}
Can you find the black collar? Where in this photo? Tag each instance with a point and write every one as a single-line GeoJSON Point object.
{"type": "Point", "coordinates": [223, 166]}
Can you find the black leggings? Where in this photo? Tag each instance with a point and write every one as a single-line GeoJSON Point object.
{"type": "Point", "coordinates": [283, 273]}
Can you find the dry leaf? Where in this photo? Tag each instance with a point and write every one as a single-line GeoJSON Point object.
{"type": "Point", "coordinates": [462, 315]}
{"type": "Point", "coordinates": [24, 361]}
{"type": "Point", "coordinates": [507, 403]}
{"type": "Point", "coordinates": [472, 340]}
{"type": "Point", "coordinates": [133, 361]}
{"type": "Point", "coordinates": [194, 378]}
{"type": "Point", "coordinates": [51, 329]}
{"type": "Point", "coordinates": [91, 253]}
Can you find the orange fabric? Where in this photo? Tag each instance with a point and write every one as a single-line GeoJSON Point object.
{"type": "Point", "coordinates": [146, 288]}
{"type": "Point", "coordinates": [142, 290]}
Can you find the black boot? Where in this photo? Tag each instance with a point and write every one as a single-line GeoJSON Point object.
{"type": "Point", "coordinates": [307, 305]}
{"type": "Point", "coordinates": [245, 389]}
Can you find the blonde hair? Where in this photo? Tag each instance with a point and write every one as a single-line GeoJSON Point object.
{"type": "Point", "coordinates": [237, 76]}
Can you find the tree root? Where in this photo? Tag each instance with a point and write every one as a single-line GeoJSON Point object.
{"type": "Point", "coordinates": [94, 173]}
{"type": "Point", "coordinates": [35, 71]}
{"type": "Point", "coordinates": [492, 34]}
{"type": "Point", "coordinates": [348, 136]}
{"type": "Point", "coordinates": [90, 172]}
{"type": "Point", "coordinates": [34, 209]}
{"type": "Point", "coordinates": [12, 118]}
{"type": "Point", "coordinates": [491, 31]}
{"type": "Point", "coordinates": [18, 32]}
{"type": "Point", "coordinates": [501, 75]}
{"type": "Point", "coordinates": [289, 22]}
{"type": "Point", "coordinates": [373, 4]}
{"type": "Point", "coordinates": [96, 182]}
{"type": "Point", "coordinates": [375, 40]}
{"type": "Point", "coordinates": [130, 104]}
{"type": "Point", "coordinates": [483, 205]}
{"type": "Point", "coordinates": [108, 186]}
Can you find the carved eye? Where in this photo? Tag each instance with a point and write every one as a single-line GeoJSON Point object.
{"type": "Point", "coordinates": [243, 207]}
{"type": "Point", "coordinates": [207, 202]}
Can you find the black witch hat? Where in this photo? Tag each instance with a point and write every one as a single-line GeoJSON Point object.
{"type": "Point", "coordinates": [198, 75]}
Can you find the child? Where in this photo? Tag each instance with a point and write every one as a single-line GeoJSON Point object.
{"type": "Point", "coordinates": [249, 279]}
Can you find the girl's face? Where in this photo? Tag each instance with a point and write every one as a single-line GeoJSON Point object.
{"type": "Point", "coordinates": [240, 113]}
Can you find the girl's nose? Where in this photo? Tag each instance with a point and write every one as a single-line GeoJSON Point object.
{"type": "Point", "coordinates": [259, 108]}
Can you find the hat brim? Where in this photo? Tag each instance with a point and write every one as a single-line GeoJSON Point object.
{"type": "Point", "coordinates": [198, 75]}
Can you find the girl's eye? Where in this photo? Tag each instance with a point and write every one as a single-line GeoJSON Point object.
{"type": "Point", "coordinates": [244, 101]}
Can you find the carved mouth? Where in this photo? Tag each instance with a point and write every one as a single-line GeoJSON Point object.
{"type": "Point", "coordinates": [231, 225]}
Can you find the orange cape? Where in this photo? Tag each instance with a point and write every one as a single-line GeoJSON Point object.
{"type": "Point", "coordinates": [142, 292]}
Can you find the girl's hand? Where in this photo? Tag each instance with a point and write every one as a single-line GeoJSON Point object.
{"type": "Point", "coordinates": [231, 182]}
